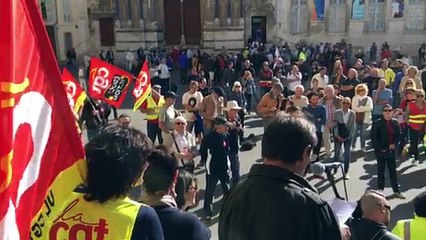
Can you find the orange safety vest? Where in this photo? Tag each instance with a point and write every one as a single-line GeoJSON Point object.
{"type": "Point", "coordinates": [417, 117]}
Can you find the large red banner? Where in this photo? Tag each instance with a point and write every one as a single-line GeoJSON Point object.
{"type": "Point", "coordinates": [142, 86]}
{"type": "Point", "coordinates": [41, 155]}
{"type": "Point", "coordinates": [107, 82]}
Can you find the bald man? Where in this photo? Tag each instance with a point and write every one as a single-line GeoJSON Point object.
{"type": "Point", "coordinates": [375, 218]}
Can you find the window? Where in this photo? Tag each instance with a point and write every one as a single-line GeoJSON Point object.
{"type": "Point", "coordinates": [376, 16]}
{"type": "Point", "coordinates": [337, 16]}
{"type": "Point", "coordinates": [358, 9]}
{"type": "Point", "coordinates": [67, 10]}
{"type": "Point", "coordinates": [299, 16]}
{"type": "Point", "coordinates": [43, 10]}
{"type": "Point", "coordinates": [415, 15]}
{"type": "Point", "coordinates": [398, 8]}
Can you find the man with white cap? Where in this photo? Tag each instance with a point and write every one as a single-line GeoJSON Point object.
{"type": "Point", "coordinates": [235, 131]}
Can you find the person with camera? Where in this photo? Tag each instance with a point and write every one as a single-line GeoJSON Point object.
{"type": "Point", "coordinates": [385, 135]}
{"type": "Point", "coordinates": [235, 132]}
{"type": "Point", "coordinates": [343, 132]}
{"type": "Point", "coordinates": [270, 104]}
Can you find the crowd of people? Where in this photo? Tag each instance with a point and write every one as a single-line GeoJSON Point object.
{"type": "Point", "coordinates": [322, 94]}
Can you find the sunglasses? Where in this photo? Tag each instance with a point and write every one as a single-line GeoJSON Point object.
{"type": "Point", "coordinates": [346, 103]}
{"type": "Point", "coordinates": [420, 95]}
{"type": "Point", "coordinates": [384, 205]}
{"type": "Point", "coordinates": [180, 123]}
{"type": "Point", "coordinates": [387, 110]}
{"type": "Point", "coordinates": [237, 86]}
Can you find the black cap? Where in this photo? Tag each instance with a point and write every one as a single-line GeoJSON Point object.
{"type": "Point", "coordinates": [419, 203]}
{"type": "Point", "coordinates": [170, 94]}
{"type": "Point", "coordinates": [221, 121]}
{"type": "Point", "coordinates": [219, 91]}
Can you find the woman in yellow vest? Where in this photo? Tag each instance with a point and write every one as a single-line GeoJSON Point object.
{"type": "Point", "coordinates": [414, 229]}
{"type": "Point", "coordinates": [99, 208]}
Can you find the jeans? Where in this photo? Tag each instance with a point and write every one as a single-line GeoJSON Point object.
{"type": "Point", "coordinates": [183, 75]}
{"type": "Point", "coordinates": [360, 129]}
{"type": "Point", "coordinates": [326, 139]}
{"type": "Point", "coordinates": [317, 148]}
{"type": "Point", "coordinates": [389, 159]}
{"type": "Point", "coordinates": [154, 131]}
{"type": "Point", "coordinates": [211, 182]}
{"type": "Point", "coordinates": [197, 125]}
{"type": "Point", "coordinates": [415, 137]}
{"type": "Point", "coordinates": [396, 100]}
{"type": "Point", "coordinates": [347, 152]}
{"type": "Point", "coordinates": [235, 167]}
{"type": "Point", "coordinates": [248, 101]}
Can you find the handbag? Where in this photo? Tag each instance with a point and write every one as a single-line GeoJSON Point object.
{"type": "Point", "coordinates": [342, 130]}
{"type": "Point", "coordinates": [186, 166]}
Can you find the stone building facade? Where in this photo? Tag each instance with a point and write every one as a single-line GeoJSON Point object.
{"type": "Point", "coordinates": [211, 24]}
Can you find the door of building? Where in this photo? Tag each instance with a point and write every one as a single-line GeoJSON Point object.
{"type": "Point", "coordinates": [258, 28]}
{"type": "Point", "coordinates": [68, 41]}
{"type": "Point", "coordinates": [106, 29]}
{"type": "Point", "coordinates": [192, 21]}
{"type": "Point", "coordinates": [52, 37]}
{"type": "Point", "coordinates": [172, 22]}
{"type": "Point", "coordinates": [173, 18]}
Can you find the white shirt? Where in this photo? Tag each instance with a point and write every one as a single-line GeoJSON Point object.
{"type": "Point", "coordinates": [86, 60]}
{"type": "Point", "coordinates": [345, 116]}
{"type": "Point", "coordinates": [130, 56]}
{"type": "Point", "coordinates": [164, 71]}
{"type": "Point", "coordinates": [182, 142]}
{"type": "Point", "coordinates": [322, 81]}
{"type": "Point", "coordinates": [292, 85]}
{"type": "Point", "coordinates": [196, 99]}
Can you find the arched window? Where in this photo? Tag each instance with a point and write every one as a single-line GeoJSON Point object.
{"type": "Point", "coordinates": [376, 16]}
{"type": "Point", "coordinates": [337, 15]}
{"type": "Point", "coordinates": [415, 15]}
{"type": "Point", "coordinates": [298, 16]}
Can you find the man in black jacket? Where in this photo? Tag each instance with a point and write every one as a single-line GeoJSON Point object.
{"type": "Point", "coordinates": [217, 143]}
{"type": "Point", "coordinates": [385, 135]}
{"type": "Point", "coordinates": [275, 201]}
{"type": "Point", "coordinates": [375, 218]}
{"type": "Point", "coordinates": [95, 115]}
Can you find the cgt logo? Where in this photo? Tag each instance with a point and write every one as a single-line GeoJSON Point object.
{"type": "Point", "coordinates": [101, 81]}
{"type": "Point", "coordinates": [117, 87]}
{"type": "Point", "coordinates": [70, 225]}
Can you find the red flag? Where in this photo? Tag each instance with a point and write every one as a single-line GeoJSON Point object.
{"type": "Point", "coordinates": [107, 82]}
{"type": "Point", "coordinates": [142, 86]}
{"type": "Point", "coordinates": [40, 154]}
{"type": "Point", "coordinates": [75, 92]}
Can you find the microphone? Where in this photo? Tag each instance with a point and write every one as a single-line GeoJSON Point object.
{"type": "Point", "coordinates": [320, 168]}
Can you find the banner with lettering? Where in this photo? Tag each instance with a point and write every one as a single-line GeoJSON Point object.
{"type": "Point", "coordinates": [107, 82]}
{"type": "Point", "coordinates": [75, 93]}
{"type": "Point", "coordinates": [41, 155]}
{"type": "Point", "coordinates": [142, 86]}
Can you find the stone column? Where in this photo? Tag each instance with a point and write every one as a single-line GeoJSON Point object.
{"type": "Point", "coordinates": [236, 12]}
{"type": "Point", "coordinates": [124, 17]}
{"type": "Point", "coordinates": [223, 12]}
{"type": "Point", "coordinates": [209, 11]}
{"type": "Point", "coordinates": [135, 11]}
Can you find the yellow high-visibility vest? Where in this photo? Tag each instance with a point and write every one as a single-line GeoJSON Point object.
{"type": "Point", "coordinates": [156, 106]}
{"type": "Point", "coordinates": [411, 229]}
{"type": "Point", "coordinates": [91, 220]}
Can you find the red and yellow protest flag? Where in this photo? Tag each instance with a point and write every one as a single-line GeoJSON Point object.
{"type": "Point", "coordinates": [142, 86]}
{"type": "Point", "coordinates": [75, 93]}
{"type": "Point", "coordinates": [41, 155]}
{"type": "Point", "coordinates": [107, 82]}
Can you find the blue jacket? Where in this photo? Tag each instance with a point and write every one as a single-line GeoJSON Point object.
{"type": "Point", "coordinates": [318, 115]}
